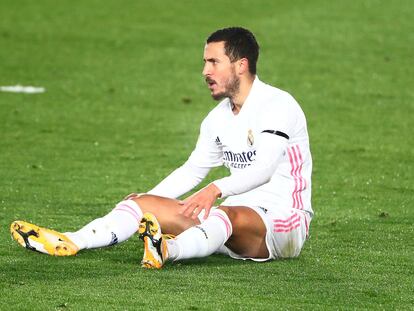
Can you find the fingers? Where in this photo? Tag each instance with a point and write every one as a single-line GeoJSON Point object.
{"type": "Point", "coordinates": [206, 213]}
{"type": "Point", "coordinates": [196, 212]}
{"type": "Point", "coordinates": [193, 209]}
{"type": "Point", "coordinates": [133, 195]}
{"type": "Point", "coordinates": [189, 208]}
{"type": "Point", "coordinates": [201, 200]}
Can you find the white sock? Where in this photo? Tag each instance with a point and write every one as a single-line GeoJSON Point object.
{"type": "Point", "coordinates": [201, 240]}
{"type": "Point", "coordinates": [117, 226]}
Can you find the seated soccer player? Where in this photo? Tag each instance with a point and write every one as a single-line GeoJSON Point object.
{"type": "Point", "coordinates": [260, 134]}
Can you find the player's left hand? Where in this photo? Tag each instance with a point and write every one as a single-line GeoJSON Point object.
{"type": "Point", "coordinates": [201, 200]}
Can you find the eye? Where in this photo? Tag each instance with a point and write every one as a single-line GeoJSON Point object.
{"type": "Point", "coordinates": [212, 61]}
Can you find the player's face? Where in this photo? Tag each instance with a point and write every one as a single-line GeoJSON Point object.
{"type": "Point", "coordinates": [219, 72]}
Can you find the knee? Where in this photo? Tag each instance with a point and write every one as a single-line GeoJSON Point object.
{"type": "Point", "coordinates": [133, 195]}
{"type": "Point", "coordinates": [235, 217]}
{"type": "Point", "coordinates": [143, 198]}
{"type": "Point", "coordinates": [229, 212]}
{"type": "Point", "coordinates": [245, 219]}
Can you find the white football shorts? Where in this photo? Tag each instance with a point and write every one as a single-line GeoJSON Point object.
{"type": "Point", "coordinates": [287, 231]}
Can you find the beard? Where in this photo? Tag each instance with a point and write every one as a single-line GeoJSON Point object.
{"type": "Point", "coordinates": [231, 87]}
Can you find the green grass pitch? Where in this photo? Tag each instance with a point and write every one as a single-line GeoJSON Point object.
{"type": "Point", "coordinates": [124, 99]}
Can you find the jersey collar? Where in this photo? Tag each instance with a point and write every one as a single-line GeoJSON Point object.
{"type": "Point", "coordinates": [249, 99]}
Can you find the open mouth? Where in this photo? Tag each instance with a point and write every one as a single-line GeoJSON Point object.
{"type": "Point", "coordinates": [210, 83]}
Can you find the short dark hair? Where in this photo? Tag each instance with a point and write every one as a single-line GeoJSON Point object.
{"type": "Point", "coordinates": [238, 43]}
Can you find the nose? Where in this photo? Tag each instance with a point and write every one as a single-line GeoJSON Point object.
{"type": "Point", "coordinates": [206, 70]}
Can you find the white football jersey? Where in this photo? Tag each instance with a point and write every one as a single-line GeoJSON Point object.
{"type": "Point", "coordinates": [232, 140]}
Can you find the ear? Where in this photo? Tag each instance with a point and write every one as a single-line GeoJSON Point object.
{"type": "Point", "coordinates": [243, 66]}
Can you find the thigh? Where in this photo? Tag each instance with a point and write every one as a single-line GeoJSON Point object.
{"type": "Point", "coordinates": [167, 212]}
{"type": "Point", "coordinates": [249, 232]}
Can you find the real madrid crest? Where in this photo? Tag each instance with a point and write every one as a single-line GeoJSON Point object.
{"type": "Point", "coordinates": [250, 138]}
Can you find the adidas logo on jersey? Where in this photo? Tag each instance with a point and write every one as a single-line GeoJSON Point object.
{"type": "Point", "coordinates": [218, 142]}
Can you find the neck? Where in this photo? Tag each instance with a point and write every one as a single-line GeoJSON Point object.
{"type": "Point", "coordinates": [239, 98]}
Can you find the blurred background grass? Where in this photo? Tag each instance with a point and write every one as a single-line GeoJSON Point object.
{"type": "Point", "coordinates": [124, 101]}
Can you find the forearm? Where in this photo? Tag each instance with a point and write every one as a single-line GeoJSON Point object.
{"type": "Point", "coordinates": [180, 181]}
{"type": "Point", "coordinates": [257, 174]}
{"type": "Point", "coordinates": [241, 182]}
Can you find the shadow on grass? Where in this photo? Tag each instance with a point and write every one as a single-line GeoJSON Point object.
{"type": "Point", "coordinates": [20, 266]}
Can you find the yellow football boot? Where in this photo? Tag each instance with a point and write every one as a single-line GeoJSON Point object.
{"type": "Point", "coordinates": [42, 240]}
{"type": "Point", "coordinates": [155, 245]}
